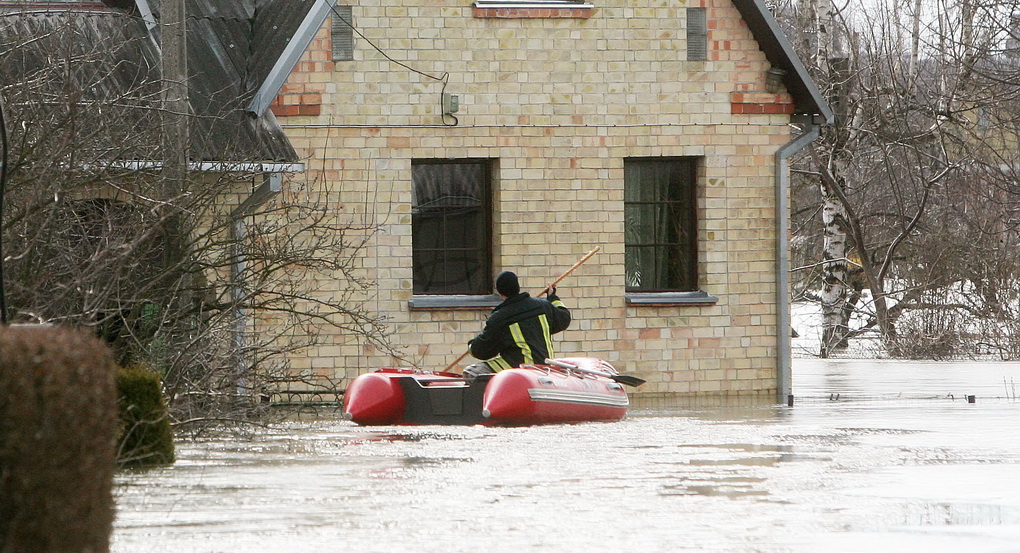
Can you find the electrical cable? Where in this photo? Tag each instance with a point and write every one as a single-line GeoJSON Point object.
{"type": "Point", "coordinates": [442, 94]}
{"type": "Point", "coordinates": [444, 78]}
{"type": "Point", "coordinates": [3, 186]}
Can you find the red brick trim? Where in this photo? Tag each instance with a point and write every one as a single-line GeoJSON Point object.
{"type": "Point", "coordinates": [286, 111]}
{"type": "Point", "coordinates": [749, 102]}
{"type": "Point", "coordinates": [286, 105]}
{"type": "Point", "coordinates": [748, 109]}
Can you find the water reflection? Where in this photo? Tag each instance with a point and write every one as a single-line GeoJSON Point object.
{"type": "Point", "coordinates": [850, 475]}
{"type": "Point", "coordinates": [872, 379]}
{"type": "Point", "coordinates": [956, 514]}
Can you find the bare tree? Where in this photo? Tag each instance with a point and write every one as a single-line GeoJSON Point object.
{"type": "Point", "coordinates": [920, 140]}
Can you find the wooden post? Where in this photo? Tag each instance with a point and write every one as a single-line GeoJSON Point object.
{"type": "Point", "coordinates": [174, 51]}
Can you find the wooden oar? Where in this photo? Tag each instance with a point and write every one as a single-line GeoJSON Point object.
{"type": "Point", "coordinates": [621, 378]}
{"type": "Point", "coordinates": [545, 290]}
{"type": "Point", "coordinates": [553, 284]}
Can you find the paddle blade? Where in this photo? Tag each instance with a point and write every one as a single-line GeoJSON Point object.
{"type": "Point", "coordinates": [628, 380]}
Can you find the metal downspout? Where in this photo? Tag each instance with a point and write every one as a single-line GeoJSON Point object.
{"type": "Point", "coordinates": [271, 185]}
{"type": "Point", "coordinates": [784, 370]}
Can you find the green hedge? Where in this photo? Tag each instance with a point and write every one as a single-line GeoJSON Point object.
{"type": "Point", "coordinates": [146, 435]}
{"type": "Point", "coordinates": [58, 428]}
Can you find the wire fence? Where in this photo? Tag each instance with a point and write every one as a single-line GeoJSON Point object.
{"type": "Point", "coordinates": [886, 399]}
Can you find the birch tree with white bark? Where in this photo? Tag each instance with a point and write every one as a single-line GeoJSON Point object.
{"type": "Point", "coordinates": [923, 98]}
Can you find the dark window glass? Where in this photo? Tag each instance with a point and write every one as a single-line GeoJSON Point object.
{"type": "Point", "coordinates": [661, 224]}
{"type": "Point", "coordinates": [451, 218]}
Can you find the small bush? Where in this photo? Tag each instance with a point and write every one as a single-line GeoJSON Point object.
{"type": "Point", "coordinates": [146, 436]}
{"type": "Point", "coordinates": [931, 334]}
{"type": "Point", "coordinates": [58, 427]}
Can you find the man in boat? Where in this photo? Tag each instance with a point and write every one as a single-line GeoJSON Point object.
{"type": "Point", "coordinates": [519, 330]}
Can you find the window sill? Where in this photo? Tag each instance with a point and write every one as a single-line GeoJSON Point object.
{"type": "Point", "coordinates": [521, 9]}
{"type": "Point", "coordinates": [425, 303]}
{"type": "Point", "coordinates": [641, 299]}
{"type": "Point", "coordinates": [652, 299]}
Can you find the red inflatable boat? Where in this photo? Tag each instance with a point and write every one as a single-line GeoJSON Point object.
{"type": "Point", "coordinates": [561, 390]}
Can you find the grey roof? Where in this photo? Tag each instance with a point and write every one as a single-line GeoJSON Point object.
{"type": "Point", "coordinates": [51, 68]}
{"type": "Point", "coordinates": [245, 38]}
{"type": "Point", "coordinates": [808, 100]}
{"type": "Point", "coordinates": [233, 46]}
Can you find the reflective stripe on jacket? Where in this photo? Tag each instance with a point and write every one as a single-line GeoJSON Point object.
{"type": "Point", "coordinates": [520, 330]}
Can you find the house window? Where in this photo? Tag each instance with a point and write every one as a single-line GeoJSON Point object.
{"type": "Point", "coordinates": [451, 221]}
{"type": "Point", "coordinates": [342, 33]}
{"type": "Point", "coordinates": [661, 224]}
{"type": "Point", "coordinates": [697, 34]}
{"type": "Point", "coordinates": [517, 9]}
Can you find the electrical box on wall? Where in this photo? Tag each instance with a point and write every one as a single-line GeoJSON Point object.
{"type": "Point", "coordinates": [451, 103]}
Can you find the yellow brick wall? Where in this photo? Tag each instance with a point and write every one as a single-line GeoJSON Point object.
{"type": "Point", "coordinates": [559, 102]}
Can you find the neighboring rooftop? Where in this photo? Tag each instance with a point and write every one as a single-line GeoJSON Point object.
{"type": "Point", "coordinates": [233, 48]}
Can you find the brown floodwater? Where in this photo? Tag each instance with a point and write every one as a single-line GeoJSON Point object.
{"type": "Point", "coordinates": [873, 456]}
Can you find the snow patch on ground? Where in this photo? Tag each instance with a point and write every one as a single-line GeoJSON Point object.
{"type": "Point", "coordinates": [806, 320]}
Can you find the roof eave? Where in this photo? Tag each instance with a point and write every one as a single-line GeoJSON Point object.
{"type": "Point", "coordinates": [810, 105]}
{"type": "Point", "coordinates": [296, 47]}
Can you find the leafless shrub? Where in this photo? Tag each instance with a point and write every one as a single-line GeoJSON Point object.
{"type": "Point", "coordinates": [168, 272]}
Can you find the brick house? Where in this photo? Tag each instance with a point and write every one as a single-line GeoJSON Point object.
{"type": "Point", "coordinates": [520, 135]}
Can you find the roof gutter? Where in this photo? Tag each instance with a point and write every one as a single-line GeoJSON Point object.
{"type": "Point", "coordinates": [272, 184]}
{"type": "Point", "coordinates": [218, 166]}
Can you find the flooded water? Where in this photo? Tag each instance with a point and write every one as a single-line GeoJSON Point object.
{"type": "Point", "coordinates": [873, 456]}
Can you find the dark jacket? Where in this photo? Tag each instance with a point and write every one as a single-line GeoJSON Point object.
{"type": "Point", "coordinates": [520, 330]}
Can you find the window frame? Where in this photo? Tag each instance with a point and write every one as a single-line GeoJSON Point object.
{"type": "Point", "coordinates": [519, 9]}
{"type": "Point", "coordinates": [460, 300]}
{"type": "Point", "coordinates": [689, 294]}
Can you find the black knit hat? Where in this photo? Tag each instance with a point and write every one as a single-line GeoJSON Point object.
{"type": "Point", "coordinates": [507, 285]}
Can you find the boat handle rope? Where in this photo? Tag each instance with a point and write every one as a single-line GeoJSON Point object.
{"type": "Point", "coordinates": [570, 369]}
